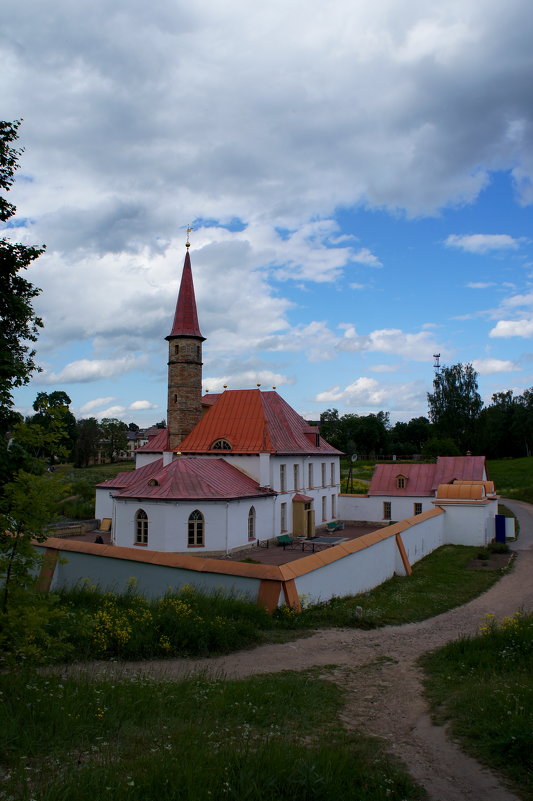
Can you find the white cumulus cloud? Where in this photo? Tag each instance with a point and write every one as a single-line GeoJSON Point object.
{"type": "Point", "coordinates": [86, 370]}
{"type": "Point", "coordinates": [482, 243]}
{"type": "Point", "coordinates": [491, 366]}
{"type": "Point", "coordinates": [139, 405]}
{"type": "Point", "coordinates": [512, 328]}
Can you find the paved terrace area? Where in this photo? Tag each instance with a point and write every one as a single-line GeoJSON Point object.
{"type": "Point", "coordinates": [274, 554]}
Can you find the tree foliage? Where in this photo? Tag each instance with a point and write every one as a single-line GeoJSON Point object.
{"type": "Point", "coordinates": [27, 507]}
{"type": "Point", "coordinates": [87, 441]}
{"type": "Point", "coordinates": [114, 437]}
{"type": "Point", "coordinates": [455, 404]}
{"type": "Point", "coordinates": [352, 433]}
{"type": "Point", "coordinates": [19, 323]}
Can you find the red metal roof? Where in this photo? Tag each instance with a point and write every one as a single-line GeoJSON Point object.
{"type": "Point", "coordinates": [423, 479]}
{"type": "Point", "coordinates": [210, 399]}
{"type": "Point", "coordinates": [156, 444]}
{"type": "Point", "coordinates": [462, 468]}
{"type": "Point", "coordinates": [131, 476]}
{"type": "Point", "coordinates": [253, 422]}
{"type": "Point", "coordinates": [192, 478]}
{"type": "Point", "coordinates": [186, 318]}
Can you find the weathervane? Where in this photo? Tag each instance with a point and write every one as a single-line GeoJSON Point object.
{"type": "Point", "coordinates": [187, 243]}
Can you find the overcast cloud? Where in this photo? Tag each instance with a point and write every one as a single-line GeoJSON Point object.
{"type": "Point", "coordinates": [261, 124]}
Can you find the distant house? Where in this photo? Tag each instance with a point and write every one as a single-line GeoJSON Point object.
{"type": "Point", "coordinates": [398, 491]}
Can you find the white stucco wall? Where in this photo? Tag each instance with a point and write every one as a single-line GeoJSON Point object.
{"type": "Point", "coordinates": [363, 507]}
{"type": "Point", "coordinates": [142, 459]}
{"type": "Point", "coordinates": [354, 573]}
{"type": "Point", "coordinates": [463, 523]}
{"type": "Point", "coordinates": [225, 523]}
{"type": "Point", "coordinates": [420, 539]}
{"type": "Point", "coordinates": [153, 580]}
{"type": "Point", "coordinates": [104, 503]}
{"type": "Point", "coordinates": [470, 524]}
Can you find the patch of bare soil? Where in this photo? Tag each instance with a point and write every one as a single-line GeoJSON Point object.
{"type": "Point", "coordinates": [493, 561]}
{"type": "Point", "coordinates": [383, 683]}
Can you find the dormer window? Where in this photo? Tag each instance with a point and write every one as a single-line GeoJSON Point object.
{"type": "Point", "coordinates": [401, 482]}
{"type": "Point", "coordinates": [221, 445]}
{"type": "Point", "coordinates": [153, 482]}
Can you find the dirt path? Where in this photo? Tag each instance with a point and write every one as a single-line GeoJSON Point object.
{"type": "Point", "coordinates": [378, 670]}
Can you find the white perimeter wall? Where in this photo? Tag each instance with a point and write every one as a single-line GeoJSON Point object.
{"type": "Point", "coordinates": [460, 523]}
{"type": "Point", "coordinates": [154, 581]}
{"type": "Point", "coordinates": [357, 572]}
{"type": "Point", "coordinates": [363, 507]}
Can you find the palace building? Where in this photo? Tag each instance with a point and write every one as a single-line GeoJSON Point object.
{"type": "Point", "coordinates": [230, 468]}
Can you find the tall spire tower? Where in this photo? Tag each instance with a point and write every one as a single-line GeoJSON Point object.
{"type": "Point", "coordinates": [184, 407]}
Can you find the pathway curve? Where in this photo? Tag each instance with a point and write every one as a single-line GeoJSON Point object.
{"type": "Point", "coordinates": [378, 670]}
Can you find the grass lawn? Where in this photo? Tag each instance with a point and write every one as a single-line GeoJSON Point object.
{"type": "Point", "coordinates": [80, 504]}
{"type": "Point", "coordinates": [513, 477]}
{"type": "Point", "coordinates": [484, 687]}
{"type": "Point", "coordinates": [262, 739]}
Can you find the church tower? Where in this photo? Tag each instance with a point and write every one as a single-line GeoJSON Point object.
{"type": "Point", "coordinates": [184, 407]}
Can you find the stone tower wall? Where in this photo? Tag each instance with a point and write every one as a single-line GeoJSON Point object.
{"type": "Point", "coordinates": [184, 407]}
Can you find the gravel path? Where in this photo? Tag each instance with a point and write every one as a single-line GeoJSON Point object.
{"type": "Point", "coordinates": [378, 670]}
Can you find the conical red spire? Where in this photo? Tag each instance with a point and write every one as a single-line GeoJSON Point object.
{"type": "Point", "coordinates": [186, 319]}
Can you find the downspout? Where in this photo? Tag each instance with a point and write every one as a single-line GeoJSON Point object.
{"type": "Point", "coordinates": [113, 523]}
{"type": "Point", "coordinates": [227, 535]}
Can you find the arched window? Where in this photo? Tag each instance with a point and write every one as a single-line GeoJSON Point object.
{"type": "Point", "coordinates": [251, 523]}
{"type": "Point", "coordinates": [401, 482]}
{"type": "Point", "coordinates": [196, 529]}
{"type": "Point", "coordinates": [221, 445]}
{"type": "Point", "coordinates": [141, 528]}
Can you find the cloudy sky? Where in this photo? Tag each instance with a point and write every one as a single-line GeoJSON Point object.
{"type": "Point", "coordinates": [358, 175]}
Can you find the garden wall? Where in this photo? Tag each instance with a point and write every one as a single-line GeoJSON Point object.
{"type": "Point", "coordinates": [348, 568]}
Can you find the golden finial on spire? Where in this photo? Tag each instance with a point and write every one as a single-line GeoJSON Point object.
{"type": "Point", "coordinates": [187, 243]}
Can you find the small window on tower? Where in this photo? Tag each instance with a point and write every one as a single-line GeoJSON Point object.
{"type": "Point", "coordinates": [221, 445]}
{"type": "Point", "coordinates": [198, 352]}
{"type": "Point", "coordinates": [175, 398]}
{"type": "Point", "coordinates": [176, 350]}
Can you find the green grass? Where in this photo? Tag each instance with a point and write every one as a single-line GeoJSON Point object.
{"type": "Point", "coordinates": [262, 739]}
{"type": "Point", "coordinates": [82, 480]}
{"type": "Point", "coordinates": [484, 687]}
{"type": "Point", "coordinates": [513, 478]}
{"type": "Point", "coordinates": [439, 582]}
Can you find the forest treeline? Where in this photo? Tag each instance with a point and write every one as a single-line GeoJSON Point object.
{"type": "Point", "coordinates": [457, 422]}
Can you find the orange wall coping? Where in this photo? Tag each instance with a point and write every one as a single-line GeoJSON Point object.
{"type": "Point", "coordinates": [184, 561]}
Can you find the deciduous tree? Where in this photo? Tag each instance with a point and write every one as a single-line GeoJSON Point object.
{"type": "Point", "coordinates": [455, 404]}
{"type": "Point", "coordinates": [19, 323]}
{"type": "Point", "coordinates": [115, 437]}
{"type": "Point", "coordinates": [27, 507]}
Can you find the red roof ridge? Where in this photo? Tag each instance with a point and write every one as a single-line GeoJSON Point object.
{"type": "Point", "coordinates": [253, 421]}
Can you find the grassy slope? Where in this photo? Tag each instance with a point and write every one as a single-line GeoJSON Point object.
{"type": "Point", "coordinates": [513, 477]}
{"type": "Point", "coordinates": [261, 739]}
{"type": "Point", "coordinates": [484, 687]}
